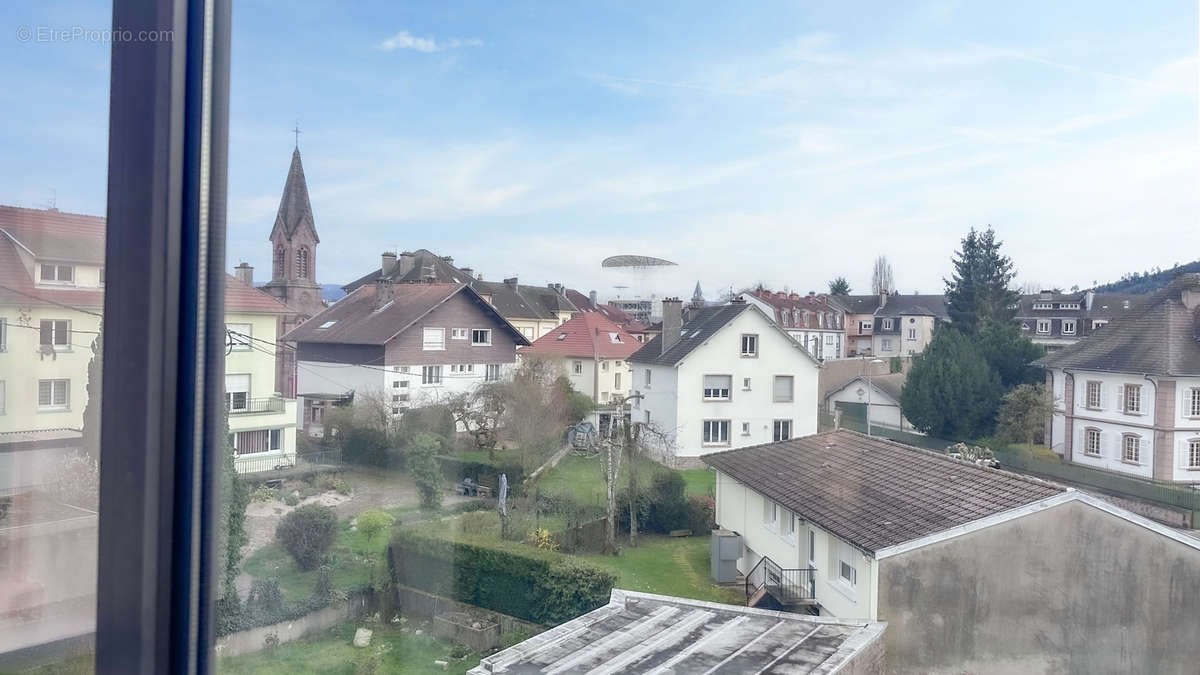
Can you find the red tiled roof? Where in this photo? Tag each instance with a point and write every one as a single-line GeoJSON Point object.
{"type": "Point", "coordinates": [73, 237]}
{"type": "Point", "coordinates": [241, 297]}
{"type": "Point", "coordinates": [575, 338]}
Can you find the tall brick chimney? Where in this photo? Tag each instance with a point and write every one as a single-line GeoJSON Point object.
{"type": "Point", "coordinates": [244, 273]}
{"type": "Point", "coordinates": [672, 324]}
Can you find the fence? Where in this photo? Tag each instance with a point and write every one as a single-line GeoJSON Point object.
{"type": "Point", "coordinates": [854, 417]}
{"type": "Point", "coordinates": [287, 463]}
{"type": "Point", "coordinates": [257, 406]}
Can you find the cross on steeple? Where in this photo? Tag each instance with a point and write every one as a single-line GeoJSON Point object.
{"type": "Point", "coordinates": [297, 132]}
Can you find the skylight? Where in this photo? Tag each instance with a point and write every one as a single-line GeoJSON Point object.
{"type": "Point", "coordinates": [327, 324]}
{"type": "Point", "coordinates": [614, 337]}
{"type": "Point", "coordinates": [561, 336]}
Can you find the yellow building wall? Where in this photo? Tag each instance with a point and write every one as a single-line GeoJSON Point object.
{"type": "Point", "coordinates": [22, 365]}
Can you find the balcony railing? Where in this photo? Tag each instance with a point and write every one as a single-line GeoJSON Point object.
{"type": "Point", "coordinates": [261, 462]}
{"type": "Point", "coordinates": [256, 406]}
{"type": "Point", "coordinates": [787, 586]}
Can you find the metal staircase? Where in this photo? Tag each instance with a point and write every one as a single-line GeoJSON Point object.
{"type": "Point", "coordinates": [769, 584]}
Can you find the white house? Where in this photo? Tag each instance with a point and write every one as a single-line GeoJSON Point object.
{"type": "Point", "coordinates": [880, 392]}
{"type": "Point", "coordinates": [727, 378]}
{"type": "Point", "coordinates": [1127, 397]}
{"type": "Point", "coordinates": [812, 320]}
{"type": "Point", "coordinates": [973, 569]}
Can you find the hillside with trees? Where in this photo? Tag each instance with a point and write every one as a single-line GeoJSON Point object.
{"type": "Point", "coordinates": [1148, 281]}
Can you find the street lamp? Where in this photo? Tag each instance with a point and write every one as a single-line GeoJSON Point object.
{"type": "Point", "coordinates": [869, 363]}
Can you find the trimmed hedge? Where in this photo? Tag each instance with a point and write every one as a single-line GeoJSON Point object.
{"type": "Point", "coordinates": [537, 586]}
{"type": "Point", "coordinates": [455, 469]}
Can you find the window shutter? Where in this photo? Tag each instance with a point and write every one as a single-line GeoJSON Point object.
{"type": "Point", "coordinates": [783, 388]}
{"type": "Point", "coordinates": [1120, 403]}
{"type": "Point", "coordinates": [47, 333]}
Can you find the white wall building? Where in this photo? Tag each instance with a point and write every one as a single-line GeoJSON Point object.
{"type": "Point", "coordinates": [1127, 398]}
{"type": "Point", "coordinates": [729, 378]}
{"type": "Point", "coordinates": [880, 392]}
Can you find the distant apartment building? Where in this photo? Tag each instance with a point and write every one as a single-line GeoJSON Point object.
{"type": "Point", "coordinates": [887, 325]}
{"type": "Point", "coordinates": [406, 343]}
{"type": "Point", "coordinates": [1127, 398]}
{"type": "Point", "coordinates": [728, 377]}
{"type": "Point", "coordinates": [1056, 320]}
{"type": "Point", "coordinates": [533, 310]}
{"type": "Point", "coordinates": [812, 320]}
{"type": "Point", "coordinates": [641, 309]}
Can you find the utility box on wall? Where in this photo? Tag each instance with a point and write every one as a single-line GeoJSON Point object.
{"type": "Point", "coordinates": [726, 549]}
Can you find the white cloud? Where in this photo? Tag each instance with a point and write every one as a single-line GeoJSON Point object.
{"type": "Point", "coordinates": [428, 45]}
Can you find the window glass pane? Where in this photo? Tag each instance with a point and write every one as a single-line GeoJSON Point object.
{"type": "Point", "coordinates": [52, 243]}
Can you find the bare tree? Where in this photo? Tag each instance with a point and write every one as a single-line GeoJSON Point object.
{"type": "Point", "coordinates": [479, 412]}
{"type": "Point", "coordinates": [538, 402]}
{"type": "Point", "coordinates": [881, 276]}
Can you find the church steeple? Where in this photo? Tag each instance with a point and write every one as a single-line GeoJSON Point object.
{"type": "Point", "coordinates": [295, 211]}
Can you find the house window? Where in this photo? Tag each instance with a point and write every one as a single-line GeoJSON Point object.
{"type": "Point", "coordinates": [1043, 326]}
{"type": "Point", "coordinates": [647, 378]}
{"type": "Point", "coordinates": [647, 420]}
{"type": "Point", "coordinates": [812, 547]}
{"type": "Point", "coordinates": [1193, 445]}
{"type": "Point", "coordinates": [716, 387]}
{"type": "Point", "coordinates": [462, 368]}
{"type": "Point", "coordinates": [1133, 398]}
{"type": "Point", "coordinates": [1043, 305]}
{"type": "Point", "coordinates": [316, 413]}
{"type": "Point", "coordinates": [782, 390]}
{"type": "Point", "coordinates": [458, 333]}
{"type": "Point", "coordinates": [912, 333]}
{"type": "Point", "coordinates": [1193, 409]}
{"type": "Point", "coordinates": [302, 263]}
{"type": "Point", "coordinates": [782, 430]}
{"type": "Point", "coordinates": [1091, 444]}
{"type": "Point", "coordinates": [616, 380]}
{"type": "Point", "coordinates": [1132, 448]}
{"type": "Point", "coordinates": [481, 336]}
{"type": "Point", "coordinates": [528, 333]}
{"type": "Point", "coordinates": [431, 375]}
{"type": "Point", "coordinates": [770, 513]}
{"type": "Point", "coordinates": [716, 432]}
{"type": "Point", "coordinates": [847, 573]}
{"type": "Point", "coordinates": [433, 339]}
{"type": "Point", "coordinates": [1093, 395]}
{"type": "Point", "coordinates": [3, 335]}
{"type": "Point", "coordinates": [491, 372]}
{"type": "Point", "coordinates": [54, 394]}
{"type": "Point", "coordinates": [829, 340]}
{"type": "Point", "coordinates": [885, 345]}
{"type": "Point", "coordinates": [1068, 305]}
{"type": "Point", "coordinates": [58, 274]}
{"type": "Point", "coordinates": [604, 366]}
{"type": "Point", "coordinates": [55, 335]}
{"type": "Point", "coordinates": [237, 337]}
{"type": "Point", "coordinates": [745, 384]}
{"type": "Point", "coordinates": [1068, 327]}
{"type": "Point", "coordinates": [577, 367]}
{"type": "Point", "coordinates": [237, 392]}
{"type": "Point", "coordinates": [745, 428]}
{"type": "Point", "coordinates": [785, 318]}
{"type": "Point", "coordinates": [749, 345]}
{"type": "Point", "coordinates": [887, 324]}
{"type": "Point", "coordinates": [789, 525]}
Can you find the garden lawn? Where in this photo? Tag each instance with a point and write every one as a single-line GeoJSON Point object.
{"type": "Point", "coordinates": [676, 566]}
{"type": "Point", "coordinates": [583, 478]}
{"type": "Point", "coordinates": [349, 569]}
{"type": "Point", "coordinates": [700, 482]}
{"type": "Point", "coordinates": [331, 651]}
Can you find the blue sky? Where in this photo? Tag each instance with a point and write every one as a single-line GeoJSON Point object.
{"type": "Point", "coordinates": [781, 142]}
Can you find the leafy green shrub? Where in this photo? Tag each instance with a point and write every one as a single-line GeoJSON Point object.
{"type": "Point", "coordinates": [307, 533]}
{"type": "Point", "coordinates": [265, 603]}
{"type": "Point", "coordinates": [702, 514]}
{"type": "Point", "coordinates": [291, 499]}
{"type": "Point", "coordinates": [515, 636]}
{"type": "Point", "coordinates": [340, 485]}
{"type": "Point", "coordinates": [373, 523]}
{"type": "Point", "coordinates": [459, 650]}
{"type": "Point", "coordinates": [365, 446]}
{"type": "Point", "coordinates": [661, 508]}
{"type": "Point", "coordinates": [263, 494]}
{"type": "Point", "coordinates": [422, 466]}
{"type": "Point", "coordinates": [533, 585]}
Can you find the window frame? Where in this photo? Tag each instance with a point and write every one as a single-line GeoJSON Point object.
{"type": "Point", "coordinates": [749, 345]}
{"type": "Point", "coordinates": [777, 426]}
{"type": "Point", "coordinates": [1088, 434]}
{"type": "Point", "coordinates": [704, 389]}
{"type": "Point", "coordinates": [3, 334]}
{"type": "Point", "coordinates": [791, 390]}
{"type": "Point", "coordinates": [1191, 449]}
{"type": "Point", "coordinates": [55, 334]}
{"type": "Point", "coordinates": [431, 375]}
{"type": "Point", "coordinates": [164, 322]}
{"type": "Point", "coordinates": [1074, 325]}
{"type": "Point", "coordinates": [484, 343]}
{"type": "Point", "coordinates": [1192, 406]}
{"type": "Point", "coordinates": [1136, 391]}
{"type": "Point", "coordinates": [1137, 448]}
{"type": "Point", "coordinates": [492, 372]}
{"type": "Point", "coordinates": [709, 426]}
{"type": "Point", "coordinates": [1047, 323]}
{"type": "Point", "coordinates": [428, 345]}
{"type": "Point", "coordinates": [50, 405]}
{"type": "Point", "coordinates": [1087, 395]}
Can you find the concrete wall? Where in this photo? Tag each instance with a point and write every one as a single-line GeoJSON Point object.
{"type": "Point", "coordinates": [1070, 589]}
{"type": "Point", "coordinates": [254, 639]}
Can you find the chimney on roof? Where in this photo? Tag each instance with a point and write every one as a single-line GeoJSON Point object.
{"type": "Point", "coordinates": [448, 260]}
{"type": "Point", "coordinates": [511, 282]}
{"type": "Point", "coordinates": [558, 288]}
{"type": "Point", "coordinates": [383, 293]}
{"type": "Point", "coordinates": [1088, 299]}
{"type": "Point", "coordinates": [1045, 294]}
{"type": "Point", "coordinates": [405, 263]}
{"type": "Point", "coordinates": [883, 298]}
{"type": "Point", "coordinates": [468, 271]}
{"type": "Point", "coordinates": [672, 325]}
{"type": "Point", "coordinates": [794, 296]}
{"type": "Point", "coordinates": [244, 273]}
{"type": "Point", "coordinates": [592, 298]}
{"type": "Point", "coordinates": [387, 264]}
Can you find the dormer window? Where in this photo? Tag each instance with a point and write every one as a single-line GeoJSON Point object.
{"type": "Point", "coordinates": [58, 274]}
{"type": "Point", "coordinates": [1043, 305]}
